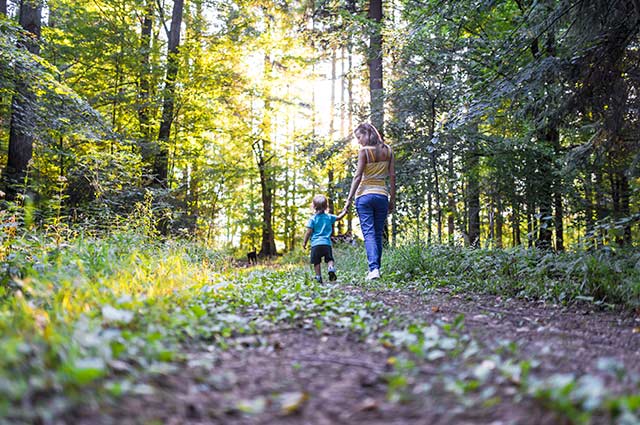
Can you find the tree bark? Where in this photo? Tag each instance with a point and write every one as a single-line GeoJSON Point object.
{"type": "Point", "coordinates": [499, 222]}
{"type": "Point", "coordinates": [161, 163]}
{"type": "Point", "coordinates": [434, 166]}
{"type": "Point", "coordinates": [332, 112]}
{"type": "Point", "coordinates": [515, 224]}
{"type": "Point", "coordinates": [144, 93]}
{"type": "Point", "coordinates": [268, 245]}
{"type": "Point", "coordinates": [264, 157]}
{"type": "Point", "coordinates": [451, 202]}
{"type": "Point", "coordinates": [429, 216]}
{"type": "Point", "coordinates": [473, 196]}
{"type": "Point", "coordinates": [588, 204]}
{"type": "Point", "coordinates": [545, 193]}
{"type": "Point", "coordinates": [548, 182]}
{"type": "Point", "coordinates": [625, 207]}
{"type": "Point", "coordinates": [22, 106]}
{"type": "Point", "coordinates": [375, 65]}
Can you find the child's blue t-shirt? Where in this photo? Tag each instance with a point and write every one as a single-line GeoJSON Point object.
{"type": "Point", "coordinates": [322, 226]}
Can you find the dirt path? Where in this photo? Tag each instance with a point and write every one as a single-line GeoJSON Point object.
{"type": "Point", "coordinates": [569, 339]}
{"type": "Point", "coordinates": [299, 376]}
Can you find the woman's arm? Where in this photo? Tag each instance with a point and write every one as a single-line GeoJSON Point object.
{"type": "Point", "coordinates": [357, 177]}
{"type": "Point", "coordinates": [392, 180]}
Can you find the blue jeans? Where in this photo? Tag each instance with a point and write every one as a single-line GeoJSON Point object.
{"type": "Point", "coordinates": [372, 211]}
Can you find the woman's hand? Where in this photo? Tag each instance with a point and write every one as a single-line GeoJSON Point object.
{"type": "Point", "coordinates": [342, 213]}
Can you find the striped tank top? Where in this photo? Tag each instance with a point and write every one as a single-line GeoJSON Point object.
{"type": "Point", "coordinates": [374, 176]}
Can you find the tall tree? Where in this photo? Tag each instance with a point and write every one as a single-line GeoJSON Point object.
{"type": "Point", "coordinates": [22, 116]}
{"type": "Point", "coordinates": [375, 65]}
{"type": "Point", "coordinates": [161, 162]}
{"type": "Point", "coordinates": [472, 165]}
{"type": "Point", "coordinates": [144, 82]}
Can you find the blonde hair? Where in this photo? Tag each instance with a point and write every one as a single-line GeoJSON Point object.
{"type": "Point", "coordinates": [373, 136]}
{"type": "Point", "coordinates": [319, 203]}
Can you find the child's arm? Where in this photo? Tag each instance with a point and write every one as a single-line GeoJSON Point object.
{"type": "Point", "coordinates": [307, 235]}
{"type": "Point", "coordinates": [342, 213]}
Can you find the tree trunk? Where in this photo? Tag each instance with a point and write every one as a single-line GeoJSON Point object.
{"type": "Point", "coordinates": [499, 222]}
{"type": "Point", "coordinates": [332, 113]}
{"type": "Point", "coordinates": [429, 216]}
{"type": "Point", "coordinates": [350, 117]}
{"type": "Point", "coordinates": [473, 196]}
{"type": "Point", "coordinates": [551, 137]}
{"type": "Point", "coordinates": [515, 224]}
{"type": "Point", "coordinates": [375, 65]}
{"type": "Point", "coordinates": [268, 246]}
{"type": "Point", "coordinates": [545, 196]}
{"type": "Point", "coordinates": [161, 163]}
{"type": "Point", "coordinates": [531, 210]}
{"type": "Point", "coordinates": [600, 206]}
{"type": "Point", "coordinates": [491, 219]}
{"type": "Point", "coordinates": [625, 207]}
{"type": "Point", "coordinates": [434, 165]}
{"type": "Point", "coordinates": [144, 93]}
{"type": "Point", "coordinates": [264, 156]}
{"type": "Point", "coordinates": [451, 202]}
{"type": "Point", "coordinates": [22, 106]}
{"type": "Point", "coordinates": [343, 127]}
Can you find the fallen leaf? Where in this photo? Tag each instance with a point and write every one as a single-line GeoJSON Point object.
{"type": "Point", "coordinates": [435, 309]}
{"type": "Point", "coordinates": [292, 402]}
{"type": "Point", "coordinates": [368, 404]}
{"type": "Point", "coordinates": [636, 330]}
{"type": "Point", "coordinates": [252, 407]}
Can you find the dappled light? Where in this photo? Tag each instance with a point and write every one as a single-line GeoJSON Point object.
{"type": "Point", "coordinates": [335, 212]}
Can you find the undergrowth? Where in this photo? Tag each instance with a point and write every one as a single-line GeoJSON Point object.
{"type": "Point", "coordinates": [602, 277]}
{"type": "Point", "coordinates": [86, 317]}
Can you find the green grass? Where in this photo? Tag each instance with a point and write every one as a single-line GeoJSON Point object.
{"type": "Point", "coordinates": [87, 317]}
{"type": "Point", "coordinates": [601, 277]}
{"type": "Point", "coordinates": [74, 316]}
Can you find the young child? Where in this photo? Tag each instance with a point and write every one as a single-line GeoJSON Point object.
{"type": "Point", "coordinates": [319, 228]}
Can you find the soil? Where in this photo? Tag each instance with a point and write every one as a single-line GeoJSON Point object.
{"type": "Point", "coordinates": [303, 376]}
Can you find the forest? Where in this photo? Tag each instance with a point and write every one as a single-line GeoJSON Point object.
{"type": "Point", "coordinates": [148, 146]}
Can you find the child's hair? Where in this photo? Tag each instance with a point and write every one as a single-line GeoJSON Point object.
{"type": "Point", "coordinates": [319, 203]}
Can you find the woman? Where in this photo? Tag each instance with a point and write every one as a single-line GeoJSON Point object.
{"type": "Point", "coordinates": [373, 200]}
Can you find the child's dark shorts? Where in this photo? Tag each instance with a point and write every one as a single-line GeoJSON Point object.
{"type": "Point", "coordinates": [319, 251]}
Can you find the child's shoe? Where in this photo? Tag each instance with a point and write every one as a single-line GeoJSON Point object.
{"type": "Point", "coordinates": [318, 279]}
{"type": "Point", "coordinates": [332, 275]}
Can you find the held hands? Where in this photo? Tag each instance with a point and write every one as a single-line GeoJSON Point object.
{"type": "Point", "coordinates": [345, 209]}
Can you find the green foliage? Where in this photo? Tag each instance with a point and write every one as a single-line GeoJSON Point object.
{"type": "Point", "coordinates": [74, 316]}
{"type": "Point", "coordinates": [601, 276]}
{"type": "Point", "coordinates": [88, 318]}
